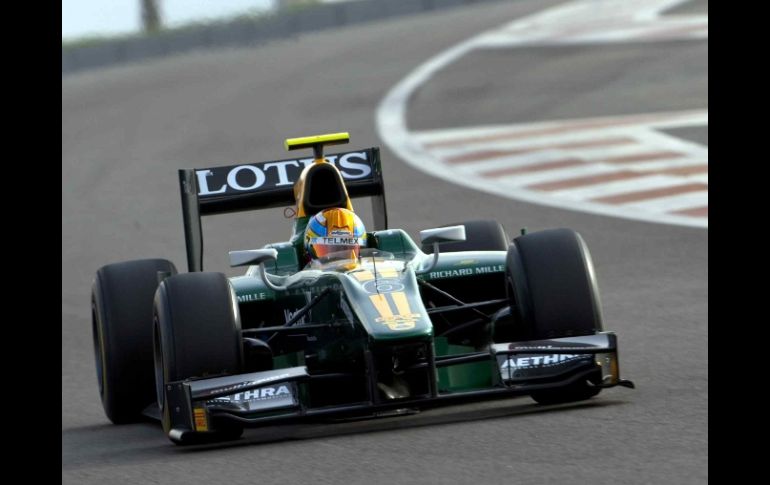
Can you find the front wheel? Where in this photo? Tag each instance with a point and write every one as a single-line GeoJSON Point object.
{"type": "Point", "coordinates": [121, 320]}
{"type": "Point", "coordinates": [552, 285]}
{"type": "Point", "coordinates": [196, 334]}
{"type": "Point", "coordinates": [553, 294]}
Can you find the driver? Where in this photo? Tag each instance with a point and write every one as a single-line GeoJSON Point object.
{"type": "Point", "coordinates": [334, 230]}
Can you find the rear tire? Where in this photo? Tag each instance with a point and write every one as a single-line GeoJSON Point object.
{"type": "Point", "coordinates": [196, 334]}
{"type": "Point", "coordinates": [553, 292]}
{"type": "Point", "coordinates": [481, 235]}
{"type": "Point", "coordinates": [121, 318]}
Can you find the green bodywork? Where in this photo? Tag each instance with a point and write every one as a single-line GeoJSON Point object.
{"type": "Point", "coordinates": [381, 297]}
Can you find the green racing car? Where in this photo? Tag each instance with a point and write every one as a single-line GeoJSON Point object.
{"type": "Point", "coordinates": [389, 327]}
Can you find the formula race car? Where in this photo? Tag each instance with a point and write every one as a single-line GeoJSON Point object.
{"type": "Point", "coordinates": [393, 327]}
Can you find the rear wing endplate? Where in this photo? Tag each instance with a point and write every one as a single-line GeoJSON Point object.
{"type": "Point", "coordinates": [263, 185]}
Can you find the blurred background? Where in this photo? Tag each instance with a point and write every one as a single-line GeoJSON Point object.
{"type": "Point", "coordinates": [88, 18]}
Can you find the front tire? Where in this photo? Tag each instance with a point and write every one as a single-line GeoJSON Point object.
{"type": "Point", "coordinates": [553, 293]}
{"type": "Point", "coordinates": [196, 334]}
{"type": "Point", "coordinates": [552, 285]}
{"type": "Point", "coordinates": [121, 319]}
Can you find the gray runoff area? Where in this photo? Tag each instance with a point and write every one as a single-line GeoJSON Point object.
{"type": "Point", "coordinates": [127, 129]}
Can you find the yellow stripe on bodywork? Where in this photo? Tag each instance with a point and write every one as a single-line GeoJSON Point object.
{"type": "Point", "coordinates": [402, 303]}
{"type": "Point", "coordinates": [388, 273]}
{"type": "Point", "coordinates": [382, 306]}
{"type": "Point", "coordinates": [364, 275]}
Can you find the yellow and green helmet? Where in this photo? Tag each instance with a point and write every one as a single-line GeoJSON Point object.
{"type": "Point", "coordinates": [334, 230]}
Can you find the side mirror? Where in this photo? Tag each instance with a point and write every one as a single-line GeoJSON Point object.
{"type": "Point", "coordinates": [442, 235]}
{"type": "Point", "coordinates": [252, 256]}
{"type": "Point", "coordinates": [437, 236]}
{"type": "Point", "coordinates": [256, 257]}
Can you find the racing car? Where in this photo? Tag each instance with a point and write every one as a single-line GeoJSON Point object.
{"type": "Point", "coordinates": [465, 314]}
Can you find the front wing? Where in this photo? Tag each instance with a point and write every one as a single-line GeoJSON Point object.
{"type": "Point", "coordinates": [282, 394]}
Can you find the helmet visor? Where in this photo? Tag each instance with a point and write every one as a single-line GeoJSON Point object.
{"type": "Point", "coordinates": [337, 252]}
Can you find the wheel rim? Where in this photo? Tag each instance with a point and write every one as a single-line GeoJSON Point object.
{"type": "Point", "coordinates": [158, 362]}
{"type": "Point", "coordinates": [98, 350]}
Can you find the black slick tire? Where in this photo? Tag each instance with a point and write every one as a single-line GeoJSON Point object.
{"type": "Point", "coordinates": [553, 292]}
{"type": "Point", "coordinates": [121, 315]}
{"type": "Point", "coordinates": [196, 334]}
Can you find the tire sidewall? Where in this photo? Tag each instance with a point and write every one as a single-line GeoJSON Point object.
{"type": "Point", "coordinates": [552, 285]}
{"type": "Point", "coordinates": [171, 357]}
{"type": "Point", "coordinates": [122, 343]}
{"type": "Point", "coordinates": [163, 352]}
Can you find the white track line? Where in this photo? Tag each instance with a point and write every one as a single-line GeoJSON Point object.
{"type": "Point", "coordinates": [673, 202]}
{"type": "Point", "coordinates": [659, 165]}
{"type": "Point", "coordinates": [567, 128]}
{"type": "Point", "coordinates": [704, 179]}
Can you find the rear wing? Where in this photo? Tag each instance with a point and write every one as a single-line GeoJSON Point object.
{"type": "Point", "coordinates": [263, 185]}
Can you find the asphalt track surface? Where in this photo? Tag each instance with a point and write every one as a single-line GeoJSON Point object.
{"type": "Point", "coordinates": [125, 132]}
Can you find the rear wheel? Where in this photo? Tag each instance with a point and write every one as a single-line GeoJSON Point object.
{"type": "Point", "coordinates": [553, 292]}
{"type": "Point", "coordinates": [121, 320]}
{"type": "Point", "coordinates": [196, 334]}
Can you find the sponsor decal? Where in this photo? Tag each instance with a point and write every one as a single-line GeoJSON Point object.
{"type": "Point", "coordinates": [454, 273]}
{"type": "Point", "coordinates": [248, 383]}
{"type": "Point", "coordinates": [529, 347]}
{"type": "Point", "coordinates": [566, 346]}
{"type": "Point", "coordinates": [450, 273]}
{"type": "Point", "coordinates": [385, 285]}
{"type": "Point", "coordinates": [498, 268]}
{"type": "Point", "coordinates": [399, 322]}
{"type": "Point", "coordinates": [306, 318]}
{"type": "Point", "coordinates": [253, 176]}
{"type": "Point", "coordinates": [346, 240]}
{"type": "Point", "coordinates": [201, 423]}
{"type": "Point", "coordinates": [260, 398]}
{"type": "Point", "coordinates": [260, 394]}
{"type": "Point", "coordinates": [539, 361]}
{"type": "Point", "coordinates": [288, 315]}
{"type": "Point", "coordinates": [252, 297]}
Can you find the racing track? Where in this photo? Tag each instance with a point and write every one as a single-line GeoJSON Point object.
{"type": "Point", "coordinates": [125, 131]}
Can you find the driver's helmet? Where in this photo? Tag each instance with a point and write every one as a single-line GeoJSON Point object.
{"type": "Point", "coordinates": [334, 230]}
